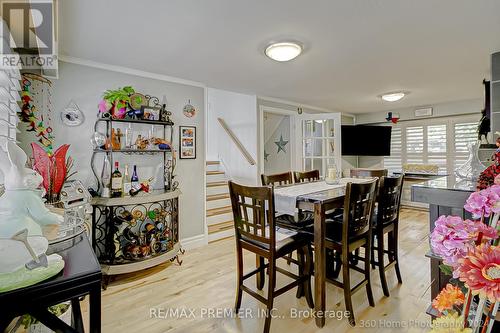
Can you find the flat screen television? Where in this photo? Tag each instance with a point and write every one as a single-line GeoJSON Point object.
{"type": "Point", "coordinates": [366, 140]}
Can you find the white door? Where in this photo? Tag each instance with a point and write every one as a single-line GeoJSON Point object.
{"type": "Point", "coordinates": [318, 142]}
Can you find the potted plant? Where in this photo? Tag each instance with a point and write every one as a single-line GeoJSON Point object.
{"type": "Point", "coordinates": [62, 311]}
{"type": "Point", "coordinates": [116, 101]}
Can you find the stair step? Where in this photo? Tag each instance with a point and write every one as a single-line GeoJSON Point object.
{"type": "Point", "coordinates": [214, 184]}
{"type": "Point", "coordinates": [215, 173]}
{"type": "Point", "coordinates": [220, 227]}
{"type": "Point", "coordinates": [213, 162]}
{"type": "Point", "coordinates": [217, 196]}
{"type": "Point", "coordinates": [219, 211]}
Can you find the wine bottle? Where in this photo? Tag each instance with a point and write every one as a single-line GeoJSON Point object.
{"type": "Point", "coordinates": [141, 187]}
{"type": "Point", "coordinates": [106, 178]}
{"type": "Point", "coordinates": [116, 183]}
{"type": "Point", "coordinates": [135, 179]}
{"type": "Point", "coordinates": [127, 183]}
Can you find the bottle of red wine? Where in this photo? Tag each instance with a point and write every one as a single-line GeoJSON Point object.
{"type": "Point", "coordinates": [116, 183]}
{"type": "Point", "coordinates": [134, 180]}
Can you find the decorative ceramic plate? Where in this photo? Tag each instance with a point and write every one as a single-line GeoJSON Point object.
{"type": "Point", "coordinates": [137, 100]}
{"type": "Point", "coordinates": [72, 115]}
{"type": "Point", "coordinates": [189, 110]}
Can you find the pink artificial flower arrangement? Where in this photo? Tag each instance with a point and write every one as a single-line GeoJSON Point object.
{"type": "Point", "coordinates": [487, 200]}
{"type": "Point", "coordinates": [452, 237]}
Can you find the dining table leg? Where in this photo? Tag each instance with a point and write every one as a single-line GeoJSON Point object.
{"type": "Point", "coordinates": [319, 264]}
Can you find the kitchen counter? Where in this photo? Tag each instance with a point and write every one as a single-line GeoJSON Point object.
{"type": "Point", "coordinates": [445, 196]}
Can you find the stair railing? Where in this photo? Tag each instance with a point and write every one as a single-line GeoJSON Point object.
{"type": "Point", "coordinates": [237, 142]}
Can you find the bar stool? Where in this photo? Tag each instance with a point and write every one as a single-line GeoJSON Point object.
{"type": "Point", "coordinates": [255, 231]}
{"type": "Point", "coordinates": [354, 232]}
{"type": "Point", "coordinates": [386, 221]}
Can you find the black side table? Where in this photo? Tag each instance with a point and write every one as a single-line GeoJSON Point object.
{"type": "Point", "coordinates": [81, 276]}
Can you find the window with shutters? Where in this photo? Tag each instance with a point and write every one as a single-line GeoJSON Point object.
{"type": "Point", "coordinates": [464, 133]}
{"type": "Point", "coordinates": [393, 162]}
{"type": "Point", "coordinates": [415, 144]}
{"type": "Point", "coordinates": [440, 141]}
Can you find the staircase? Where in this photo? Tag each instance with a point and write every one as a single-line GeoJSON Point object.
{"type": "Point", "coordinates": [219, 212]}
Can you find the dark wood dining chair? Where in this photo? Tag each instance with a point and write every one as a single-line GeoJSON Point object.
{"type": "Point", "coordinates": [306, 176]}
{"type": "Point", "coordinates": [255, 231]}
{"type": "Point", "coordinates": [365, 172]}
{"type": "Point", "coordinates": [284, 178]}
{"type": "Point", "coordinates": [353, 233]}
{"type": "Point", "coordinates": [386, 221]}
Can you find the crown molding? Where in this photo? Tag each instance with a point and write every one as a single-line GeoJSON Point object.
{"type": "Point", "coordinates": [127, 70]}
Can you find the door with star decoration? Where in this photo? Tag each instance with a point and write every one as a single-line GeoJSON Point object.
{"type": "Point", "coordinates": [318, 142]}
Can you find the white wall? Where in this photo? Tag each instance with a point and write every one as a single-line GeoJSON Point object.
{"type": "Point", "coordinates": [278, 162]}
{"type": "Point", "coordinates": [239, 111]}
{"type": "Point", "coordinates": [85, 85]}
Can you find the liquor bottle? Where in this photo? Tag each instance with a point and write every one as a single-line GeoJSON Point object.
{"type": "Point", "coordinates": [128, 137]}
{"type": "Point", "coordinates": [135, 179]}
{"type": "Point", "coordinates": [142, 187]}
{"type": "Point", "coordinates": [116, 183]}
{"type": "Point", "coordinates": [127, 182]}
{"type": "Point", "coordinates": [106, 178]}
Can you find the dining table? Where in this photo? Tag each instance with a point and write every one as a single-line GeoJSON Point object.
{"type": "Point", "coordinates": [320, 202]}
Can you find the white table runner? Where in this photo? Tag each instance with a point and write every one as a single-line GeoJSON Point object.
{"type": "Point", "coordinates": [285, 198]}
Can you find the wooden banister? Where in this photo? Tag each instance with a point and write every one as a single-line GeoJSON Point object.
{"type": "Point", "coordinates": [237, 142]}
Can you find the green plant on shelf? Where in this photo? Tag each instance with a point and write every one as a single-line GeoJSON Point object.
{"type": "Point", "coordinates": [120, 97]}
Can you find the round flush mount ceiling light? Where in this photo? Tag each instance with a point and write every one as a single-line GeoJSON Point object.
{"type": "Point", "coordinates": [393, 96]}
{"type": "Point", "coordinates": [283, 51]}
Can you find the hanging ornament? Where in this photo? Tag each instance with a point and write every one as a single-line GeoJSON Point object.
{"type": "Point", "coordinates": [188, 110]}
{"type": "Point", "coordinates": [72, 115]}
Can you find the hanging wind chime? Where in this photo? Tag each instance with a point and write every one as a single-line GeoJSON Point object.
{"type": "Point", "coordinates": [36, 108]}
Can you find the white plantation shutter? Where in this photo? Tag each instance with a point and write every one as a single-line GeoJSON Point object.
{"type": "Point", "coordinates": [415, 144]}
{"type": "Point", "coordinates": [394, 161]}
{"type": "Point", "coordinates": [436, 146]}
{"type": "Point", "coordinates": [441, 141]}
{"type": "Point", "coordinates": [464, 133]}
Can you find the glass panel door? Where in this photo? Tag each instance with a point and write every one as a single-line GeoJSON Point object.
{"type": "Point", "coordinates": [319, 142]}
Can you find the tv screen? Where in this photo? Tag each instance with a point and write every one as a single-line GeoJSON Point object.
{"type": "Point", "coordinates": [365, 140]}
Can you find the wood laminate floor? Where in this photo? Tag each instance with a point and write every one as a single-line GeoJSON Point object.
{"type": "Point", "coordinates": [203, 290]}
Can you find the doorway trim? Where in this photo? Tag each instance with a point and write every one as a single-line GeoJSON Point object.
{"type": "Point", "coordinates": [285, 112]}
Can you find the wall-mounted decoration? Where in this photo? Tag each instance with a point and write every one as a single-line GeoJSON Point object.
{"type": "Point", "coordinates": [188, 110]}
{"type": "Point", "coordinates": [187, 142]}
{"type": "Point", "coordinates": [36, 108]}
{"type": "Point", "coordinates": [392, 117]}
{"type": "Point", "coordinates": [72, 115]}
{"type": "Point", "coordinates": [281, 144]}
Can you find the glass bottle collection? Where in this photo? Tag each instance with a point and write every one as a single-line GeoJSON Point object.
{"type": "Point", "coordinates": [117, 185]}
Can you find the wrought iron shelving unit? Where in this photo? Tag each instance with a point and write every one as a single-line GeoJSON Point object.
{"type": "Point", "coordinates": [136, 233]}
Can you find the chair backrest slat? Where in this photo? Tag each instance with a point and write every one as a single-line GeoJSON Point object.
{"type": "Point", "coordinates": [389, 199]}
{"type": "Point", "coordinates": [307, 176]}
{"type": "Point", "coordinates": [284, 178]}
{"type": "Point", "coordinates": [361, 172]}
{"type": "Point", "coordinates": [253, 213]}
{"type": "Point", "coordinates": [358, 207]}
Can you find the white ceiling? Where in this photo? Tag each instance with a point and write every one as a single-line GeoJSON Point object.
{"type": "Point", "coordinates": [355, 49]}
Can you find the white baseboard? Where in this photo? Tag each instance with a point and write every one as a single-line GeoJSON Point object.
{"type": "Point", "coordinates": [221, 235]}
{"type": "Point", "coordinates": [194, 242]}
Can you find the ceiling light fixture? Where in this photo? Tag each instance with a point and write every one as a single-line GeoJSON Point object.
{"type": "Point", "coordinates": [283, 51]}
{"type": "Point", "coordinates": [394, 96]}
